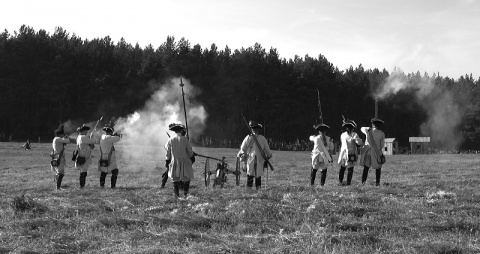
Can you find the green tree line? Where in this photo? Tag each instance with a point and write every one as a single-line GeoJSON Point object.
{"type": "Point", "coordinates": [46, 78]}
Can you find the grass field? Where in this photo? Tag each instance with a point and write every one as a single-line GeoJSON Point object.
{"type": "Point", "coordinates": [425, 204]}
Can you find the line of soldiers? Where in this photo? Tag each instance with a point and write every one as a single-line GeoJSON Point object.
{"type": "Point", "coordinates": [370, 154]}
{"type": "Point", "coordinates": [83, 154]}
{"type": "Point", "coordinates": [254, 153]}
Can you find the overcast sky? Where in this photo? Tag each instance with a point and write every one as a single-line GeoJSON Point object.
{"type": "Point", "coordinates": [415, 35]}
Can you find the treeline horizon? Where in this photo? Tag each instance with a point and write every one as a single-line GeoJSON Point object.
{"type": "Point", "coordinates": [50, 78]}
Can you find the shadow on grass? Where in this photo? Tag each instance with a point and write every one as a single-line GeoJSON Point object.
{"type": "Point", "coordinates": [5, 250]}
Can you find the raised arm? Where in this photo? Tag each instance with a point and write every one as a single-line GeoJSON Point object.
{"type": "Point", "coordinates": [111, 139]}
{"type": "Point", "coordinates": [357, 139]}
{"type": "Point", "coordinates": [365, 130]}
{"type": "Point", "coordinates": [64, 140]}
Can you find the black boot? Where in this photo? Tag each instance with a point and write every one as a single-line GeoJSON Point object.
{"type": "Point", "coordinates": [113, 180]}
{"type": "Point", "coordinates": [378, 174]}
{"type": "Point", "coordinates": [103, 175]}
{"type": "Point", "coordinates": [186, 187]}
{"type": "Point", "coordinates": [59, 181]}
{"type": "Point", "coordinates": [349, 176]}
{"type": "Point", "coordinates": [365, 174]}
{"type": "Point", "coordinates": [249, 181]}
{"type": "Point", "coordinates": [340, 174]}
{"type": "Point", "coordinates": [313, 174]}
{"type": "Point", "coordinates": [258, 183]}
{"type": "Point", "coordinates": [176, 189]}
{"type": "Point", "coordinates": [323, 177]}
{"type": "Point", "coordinates": [164, 178]}
{"type": "Point", "coordinates": [83, 177]}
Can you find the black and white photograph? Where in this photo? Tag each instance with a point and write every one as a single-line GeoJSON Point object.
{"type": "Point", "coordinates": [208, 126]}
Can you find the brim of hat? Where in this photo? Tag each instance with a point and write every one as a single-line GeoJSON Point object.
{"type": "Point", "coordinates": [107, 128]}
{"type": "Point", "coordinates": [321, 127]}
{"type": "Point", "coordinates": [176, 128]}
{"type": "Point", "coordinates": [375, 120]}
{"type": "Point", "coordinates": [345, 124]}
{"type": "Point", "coordinates": [257, 126]}
{"type": "Point", "coordinates": [84, 128]}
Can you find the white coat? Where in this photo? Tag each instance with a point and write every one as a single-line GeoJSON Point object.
{"type": "Point", "coordinates": [106, 144]}
{"type": "Point", "coordinates": [368, 157]}
{"type": "Point", "coordinates": [349, 142]}
{"type": "Point", "coordinates": [58, 145]}
{"type": "Point", "coordinates": [321, 153]}
{"type": "Point", "coordinates": [179, 152]}
{"type": "Point", "coordinates": [254, 156]}
{"type": "Point", "coordinates": [84, 142]}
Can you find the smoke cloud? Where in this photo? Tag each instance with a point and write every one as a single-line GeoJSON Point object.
{"type": "Point", "coordinates": [145, 131]}
{"type": "Point", "coordinates": [443, 113]}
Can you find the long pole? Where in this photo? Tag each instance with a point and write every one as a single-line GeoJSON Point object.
{"type": "Point", "coordinates": [319, 107]}
{"type": "Point", "coordinates": [184, 108]}
{"type": "Point", "coordinates": [376, 108]}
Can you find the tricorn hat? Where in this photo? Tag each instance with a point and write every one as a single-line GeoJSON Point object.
{"type": "Point", "coordinates": [83, 128]}
{"type": "Point", "coordinates": [320, 127]}
{"type": "Point", "coordinates": [108, 127]}
{"type": "Point", "coordinates": [349, 122]}
{"type": "Point", "coordinates": [376, 121]}
{"type": "Point", "coordinates": [176, 127]}
{"type": "Point", "coordinates": [254, 125]}
{"type": "Point", "coordinates": [60, 130]}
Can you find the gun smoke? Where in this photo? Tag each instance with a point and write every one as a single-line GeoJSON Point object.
{"type": "Point", "coordinates": [145, 131]}
{"type": "Point", "coordinates": [443, 114]}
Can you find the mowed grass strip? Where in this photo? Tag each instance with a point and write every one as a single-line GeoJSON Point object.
{"type": "Point", "coordinates": [426, 204]}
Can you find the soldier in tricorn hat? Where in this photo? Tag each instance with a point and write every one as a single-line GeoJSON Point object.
{"type": "Point", "coordinates": [250, 152]}
{"type": "Point", "coordinates": [58, 155]}
{"type": "Point", "coordinates": [348, 151]}
{"type": "Point", "coordinates": [179, 159]}
{"type": "Point", "coordinates": [372, 150]}
{"type": "Point", "coordinates": [85, 144]}
{"type": "Point", "coordinates": [108, 161]}
{"type": "Point", "coordinates": [321, 153]}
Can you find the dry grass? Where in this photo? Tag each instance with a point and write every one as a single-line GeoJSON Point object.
{"type": "Point", "coordinates": [426, 204]}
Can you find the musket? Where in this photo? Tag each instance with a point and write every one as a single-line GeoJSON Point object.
{"type": "Point", "coordinates": [258, 144]}
{"type": "Point", "coordinates": [184, 108]}
{"type": "Point", "coordinates": [95, 128]}
{"type": "Point", "coordinates": [168, 135]}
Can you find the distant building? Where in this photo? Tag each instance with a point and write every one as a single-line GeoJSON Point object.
{"type": "Point", "coordinates": [391, 146]}
{"type": "Point", "coordinates": [419, 145]}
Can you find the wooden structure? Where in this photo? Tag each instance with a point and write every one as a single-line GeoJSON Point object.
{"type": "Point", "coordinates": [391, 146]}
{"type": "Point", "coordinates": [419, 145]}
